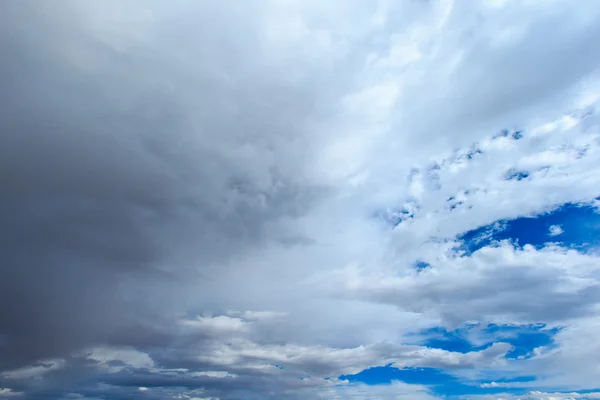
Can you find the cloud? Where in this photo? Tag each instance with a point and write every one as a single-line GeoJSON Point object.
{"type": "Point", "coordinates": [6, 393]}
{"type": "Point", "coordinates": [396, 390]}
{"type": "Point", "coordinates": [225, 200]}
{"type": "Point", "coordinates": [35, 371]}
{"type": "Point", "coordinates": [121, 178]}
{"type": "Point", "coordinates": [537, 395]}
{"type": "Point", "coordinates": [494, 281]}
{"type": "Point", "coordinates": [555, 230]}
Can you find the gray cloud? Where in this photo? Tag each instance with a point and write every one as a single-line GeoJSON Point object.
{"type": "Point", "coordinates": [122, 170]}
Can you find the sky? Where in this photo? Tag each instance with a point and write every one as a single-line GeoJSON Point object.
{"type": "Point", "coordinates": [299, 199]}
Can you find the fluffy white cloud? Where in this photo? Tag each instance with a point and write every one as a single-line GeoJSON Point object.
{"type": "Point", "coordinates": [555, 230]}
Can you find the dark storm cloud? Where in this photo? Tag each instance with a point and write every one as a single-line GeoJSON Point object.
{"type": "Point", "coordinates": [117, 173]}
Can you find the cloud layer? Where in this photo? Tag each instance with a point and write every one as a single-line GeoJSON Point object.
{"type": "Point", "coordinates": [226, 200]}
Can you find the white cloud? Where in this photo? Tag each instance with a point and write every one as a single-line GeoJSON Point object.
{"type": "Point", "coordinates": [216, 325]}
{"type": "Point", "coordinates": [490, 385]}
{"type": "Point", "coordinates": [396, 391]}
{"type": "Point", "coordinates": [214, 374]}
{"type": "Point", "coordinates": [36, 371]}
{"type": "Point", "coordinates": [6, 392]}
{"type": "Point", "coordinates": [493, 281]}
{"type": "Point", "coordinates": [124, 356]}
{"type": "Point", "coordinates": [555, 230]}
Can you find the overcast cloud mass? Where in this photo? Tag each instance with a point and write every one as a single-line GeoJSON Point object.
{"type": "Point", "coordinates": [299, 199]}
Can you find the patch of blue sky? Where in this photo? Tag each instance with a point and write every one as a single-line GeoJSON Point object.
{"type": "Point", "coordinates": [524, 339]}
{"type": "Point", "coordinates": [455, 340]}
{"type": "Point", "coordinates": [476, 337]}
{"type": "Point", "coordinates": [571, 225]}
{"type": "Point", "coordinates": [515, 134]}
{"type": "Point", "coordinates": [439, 382]}
{"type": "Point", "coordinates": [465, 155]}
{"type": "Point", "coordinates": [387, 374]}
{"type": "Point", "coordinates": [469, 338]}
{"type": "Point", "coordinates": [421, 265]}
{"type": "Point", "coordinates": [516, 175]}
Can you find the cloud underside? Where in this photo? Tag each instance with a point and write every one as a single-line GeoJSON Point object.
{"type": "Point", "coordinates": [228, 200]}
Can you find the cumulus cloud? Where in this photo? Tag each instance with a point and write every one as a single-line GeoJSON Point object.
{"type": "Point", "coordinates": [555, 230]}
{"type": "Point", "coordinates": [229, 200]}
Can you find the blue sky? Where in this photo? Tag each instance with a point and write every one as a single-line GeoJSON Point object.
{"type": "Point", "coordinates": [300, 199]}
{"type": "Point", "coordinates": [470, 338]}
{"type": "Point", "coordinates": [569, 225]}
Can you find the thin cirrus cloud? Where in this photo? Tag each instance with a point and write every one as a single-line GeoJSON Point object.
{"type": "Point", "coordinates": [266, 200]}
